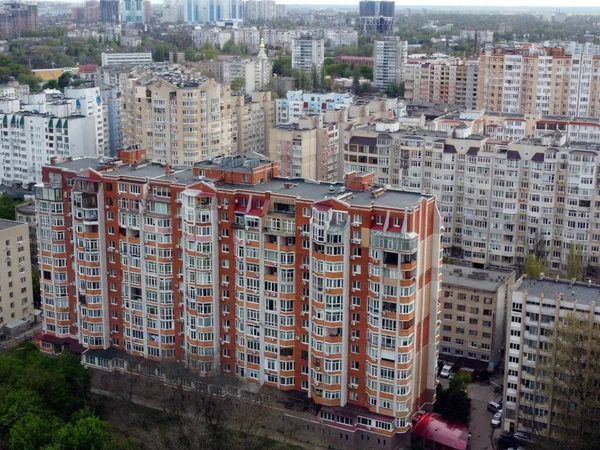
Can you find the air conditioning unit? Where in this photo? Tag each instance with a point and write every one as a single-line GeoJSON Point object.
{"type": "Point", "coordinates": [219, 206]}
{"type": "Point", "coordinates": [354, 289]}
{"type": "Point", "coordinates": [180, 201]}
{"type": "Point", "coordinates": [355, 274]}
{"type": "Point", "coordinates": [353, 257]}
{"type": "Point", "coordinates": [353, 338]}
{"type": "Point", "coordinates": [352, 307]}
{"type": "Point", "coordinates": [353, 322]}
{"type": "Point", "coordinates": [225, 283]}
{"type": "Point", "coordinates": [107, 206]}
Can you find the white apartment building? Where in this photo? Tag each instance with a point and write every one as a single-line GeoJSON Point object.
{"type": "Point", "coordinates": [535, 306]}
{"type": "Point", "coordinates": [389, 61]}
{"type": "Point", "coordinates": [300, 103]}
{"type": "Point", "coordinates": [126, 59]}
{"type": "Point", "coordinates": [216, 37]}
{"type": "Point", "coordinates": [340, 37]}
{"type": "Point", "coordinates": [87, 101]}
{"type": "Point", "coordinates": [29, 141]}
{"type": "Point", "coordinates": [498, 198]}
{"type": "Point", "coordinates": [308, 52]}
{"type": "Point", "coordinates": [256, 72]}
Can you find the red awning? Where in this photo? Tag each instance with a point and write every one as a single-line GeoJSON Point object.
{"type": "Point", "coordinates": [449, 433]}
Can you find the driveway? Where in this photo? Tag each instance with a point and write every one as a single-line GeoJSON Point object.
{"type": "Point", "coordinates": [480, 427]}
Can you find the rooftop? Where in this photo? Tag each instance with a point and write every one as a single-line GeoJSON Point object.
{"type": "Point", "coordinates": [485, 280]}
{"type": "Point", "coordinates": [8, 224]}
{"type": "Point", "coordinates": [583, 293]}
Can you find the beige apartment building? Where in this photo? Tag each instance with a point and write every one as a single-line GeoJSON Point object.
{"type": "Point", "coordinates": [308, 149]}
{"type": "Point", "coordinates": [530, 79]}
{"type": "Point", "coordinates": [474, 315]}
{"type": "Point", "coordinates": [16, 295]}
{"type": "Point", "coordinates": [179, 117]}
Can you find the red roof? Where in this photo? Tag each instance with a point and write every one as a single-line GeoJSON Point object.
{"type": "Point", "coordinates": [450, 433]}
{"type": "Point", "coordinates": [68, 343]}
{"type": "Point", "coordinates": [87, 68]}
{"type": "Point", "coordinates": [322, 207]}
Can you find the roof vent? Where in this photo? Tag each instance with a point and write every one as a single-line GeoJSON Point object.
{"type": "Point", "coordinates": [331, 189]}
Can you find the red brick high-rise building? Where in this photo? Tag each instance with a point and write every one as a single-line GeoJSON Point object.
{"type": "Point", "coordinates": [17, 17]}
{"type": "Point", "coordinates": [328, 289]}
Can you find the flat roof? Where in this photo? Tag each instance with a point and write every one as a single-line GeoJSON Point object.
{"type": "Point", "coordinates": [81, 163]}
{"type": "Point", "coordinates": [7, 224]}
{"type": "Point", "coordinates": [449, 433]}
{"type": "Point", "coordinates": [485, 280]}
{"type": "Point", "coordinates": [550, 288]}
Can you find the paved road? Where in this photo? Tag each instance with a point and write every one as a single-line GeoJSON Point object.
{"type": "Point", "coordinates": [480, 427]}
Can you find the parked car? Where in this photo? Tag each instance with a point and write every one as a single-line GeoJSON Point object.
{"type": "Point", "coordinates": [497, 419]}
{"type": "Point", "coordinates": [506, 440]}
{"type": "Point", "coordinates": [522, 438]}
{"type": "Point", "coordinates": [446, 371]}
{"type": "Point", "coordinates": [494, 407]}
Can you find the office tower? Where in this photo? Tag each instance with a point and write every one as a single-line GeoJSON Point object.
{"type": "Point", "coordinates": [389, 61]}
{"type": "Point", "coordinates": [376, 17]}
{"type": "Point", "coordinates": [530, 79]}
{"type": "Point", "coordinates": [17, 17]}
{"type": "Point", "coordinates": [474, 316]}
{"type": "Point", "coordinates": [181, 118]}
{"type": "Point", "coordinates": [308, 53]}
{"type": "Point", "coordinates": [16, 301]}
{"type": "Point", "coordinates": [326, 289]}
{"type": "Point", "coordinates": [172, 11]}
{"type": "Point", "coordinates": [110, 11]}
{"type": "Point", "coordinates": [533, 399]}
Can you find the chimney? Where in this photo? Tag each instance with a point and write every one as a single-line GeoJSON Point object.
{"type": "Point", "coordinates": [167, 169]}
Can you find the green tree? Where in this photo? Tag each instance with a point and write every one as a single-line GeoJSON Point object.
{"type": "Point", "coordinates": [52, 84]}
{"type": "Point", "coordinates": [534, 266]}
{"type": "Point", "coordinates": [574, 263]}
{"type": "Point", "coordinates": [7, 207]}
{"type": "Point", "coordinates": [454, 402]}
{"type": "Point", "coordinates": [88, 433]}
{"type": "Point", "coordinates": [190, 54]}
{"type": "Point", "coordinates": [65, 80]}
{"type": "Point", "coordinates": [238, 85]}
{"type": "Point", "coordinates": [15, 404]}
{"type": "Point", "coordinates": [395, 90]}
{"type": "Point", "coordinates": [33, 431]}
{"type": "Point", "coordinates": [366, 72]}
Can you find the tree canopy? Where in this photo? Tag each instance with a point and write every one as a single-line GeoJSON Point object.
{"type": "Point", "coordinates": [44, 404]}
{"type": "Point", "coordinates": [454, 402]}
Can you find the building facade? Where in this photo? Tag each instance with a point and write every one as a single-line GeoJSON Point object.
{"type": "Point", "coordinates": [16, 294]}
{"type": "Point", "coordinates": [536, 306]}
{"type": "Point", "coordinates": [389, 61]}
{"type": "Point", "coordinates": [327, 289]}
{"type": "Point", "coordinates": [474, 316]}
{"type": "Point", "coordinates": [529, 79]}
{"type": "Point", "coordinates": [376, 17]}
{"type": "Point", "coordinates": [179, 118]}
{"type": "Point", "coordinates": [17, 17]}
{"type": "Point", "coordinates": [308, 53]}
{"type": "Point", "coordinates": [126, 59]}
{"type": "Point", "coordinates": [110, 11]}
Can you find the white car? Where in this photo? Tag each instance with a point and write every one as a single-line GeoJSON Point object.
{"type": "Point", "coordinates": [497, 419]}
{"type": "Point", "coordinates": [446, 371]}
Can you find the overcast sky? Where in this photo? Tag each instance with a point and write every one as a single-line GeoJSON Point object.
{"type": "Point", "coordinates": [483, 4]}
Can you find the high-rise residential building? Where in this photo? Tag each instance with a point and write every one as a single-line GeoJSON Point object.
{"type": "Point", "coordinates": [87, 101]}
{"type": "Point", "coordinates": [451, 81]}
{"type": "Point", "coordinates": [263, 10]}
{"type": "Point", "coordinates": [529, 79]}
{"type": "Point", "coordinates": [308, 53]}
{"type": "Point", "coordinates": [474, 316]}
{"type": "Point", "coordinates": [172, 11]}
{"type": "Point", "coordinates": [17, 17]}
{"type": "Point", "coordinates": [133, 11]}
{"type": "Point", "coordinates": [203, 11]}
{"type": "Point", "coordinates": [16, 293]}
{"type": "Point", "coordinates": [25, 212]}
{"type": "Point", "coordinates": [31, 139]}
{"type": "Point", "coordinates": [308, 149]}
{"type": "Point", "coordinates": [330, 289]}
{"type": "Point", "coordinates": [179, 117]}
{"type": "Point", "coordinates": [256, 72]}
{"type": "Point", "coordinates": [537, 308]}
{"type": "Point", "coordinates": [255, 116]}
{"type": "Point", "coordinates": [389, 61]}
{"type": "Point", "coordinates": [110, 11]}
{"type": "Point", "coordinates": [89, 13]}
{"type": "Point", "coordinates": [376, 17]}
{"type": "Point", "coordinates": [499, 197]}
